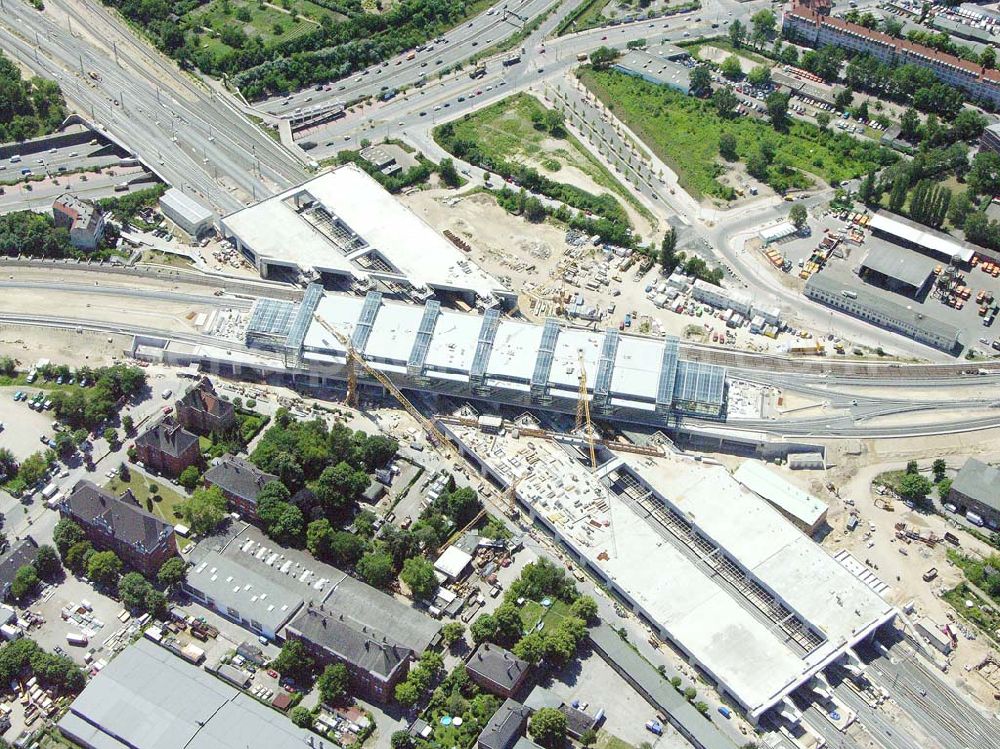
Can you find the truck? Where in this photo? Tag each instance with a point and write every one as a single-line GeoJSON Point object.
{"type": "Point", "coordinates": [850, 294]}
{"type": "Point", "coordinates": [512, 59]}
{"type": "Point", "coordinates": [478, 72]}
{"type": "Point", "coordinates": [654, 727]}
{"type": "Point", "coordinates": [930, 574]}
{"type": "Point", "coordinates": [50, 491]}
{"type": "Point", "coordinates": [77, 639]}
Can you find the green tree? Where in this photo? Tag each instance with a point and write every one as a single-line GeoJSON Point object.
{"type": "Point", "coordinates": [111, 436]}
{"type": "Point", "coordinates": [727, 146]}
{"type": "Point", "coordinates": [912, 467]}
{"type": "Point", "coordinates": [938, 468]}
{"type": "Point", "coordinates": [319, 538]}
{"type": "Point", "coordinates": [777, 109]}
{"type": "Point", "coordinates": [984, 176]}
{"type": "Point", "coordinates": [333, 683]}
{"type": "Point", "coordinates": [47, 562]}
{"type": "Point", "coordinates": [65, 534]}
{"type": "Point", "coordinates": [731, 68]}
{"type": "Point", "coordinates": [584, 608]}
{"type": "Point", "coordinates": [988, 58]}
{"type": "Point", "coordinates": [104, 569]}
{"type": "Point", "coordinates": [798, 215]}
{"type": "Point", "coordinates": [65, 445]}
{"type": "Point", "coordinates": [944, 488]}
{"type": "Point", "coordinates": [78, 556]}
{"type": "Point", "coordinates": [294, 662]}
{"type": "Point", "coordinates": [909, 125]}
{"type": "Point", "coordinates": [915, 487]}
{"type": "Point", "coordinates": [128, 424]}
{"type": "Point", "coordinates": [448, 173]}
{"type": "Point", "coordinates": [132, 590]}
{"type": "Point", "coordinates": [172, 572]}
{"type": "Point", "coordinates": [531, 648]}
{"type": "Point", "coordinates": [189, 478]}
{"type": "Point", "coordinates": [760, 76]}
{"type": "Point", "coordinates": [25, 581]}
{"type": "Point", "coordinates": [668, 247]}
{"type": "Point", "coordinates": [418, 574]}
{"type": "Point", "coordinates": [764, 26]}
{"type": "Point", "coordinates": [376, 569]}
{"type": "Point", "coordinates": [452, 632]}
{"type": "Point", "coordinates": [602, 57]}
{"type": "Point", "coordinates": [700, 83]}
{"type": "Point", "coordinates": [823, 120]}
{"type": "Point", "coordinates": [737, 33]}
{"type": "Point", "coordinates": [725, 102]}
{"type": "Point", "coordinates": [483, 629]}
{"type": "Point", "coordinates": [338, 487]}
{"type": "Point", "coordinates": [301, 716]}
{"type": "Point", "coordinates": [407, 694]}
{"type": "Point", "coordinates": [204, 510]}
{"type": "Point", "coordinates": [548, 728]}
{"type": "Point", "coordinates": [400, 740]}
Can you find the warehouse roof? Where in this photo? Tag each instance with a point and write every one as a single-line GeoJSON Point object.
{"type": "Point", "coordinates": [232, 585]}
{"type": "Point", "coordinates": [453, 562]}
{"type": "Point", "coordinates": [715, 568]}
{"type": "Point", "coordinates": [822, 282]}
{"type": "Point", "coordinates": [148, 698]}
{"type": "Point", "coordinates": [655, 68]}
{"type": "Point", "coordinates": [911, 231]}
{"type": "Point", "coordinates": [899, 263]}
{"type": "Point", "coordinates": [979, 481]}
{"type": "Point", "coordinates": [344, 222]}
{"type": "Point", "coordinates": [784, 495]}
{"type": "Point", "coordinates": [189, 208]}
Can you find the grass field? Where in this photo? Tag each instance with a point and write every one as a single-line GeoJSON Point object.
{"type": "Point", "coordinates": [684, 132]}
{"type": "Point", "coordinates": [723, 43]}
{"type": "Point", "coordinates": [300, 17]}
{"type": "Point", "coordinates": [532, 612]}
{"type": "Point", "coordinates": [606, 740]}
{"type": "Point", "coordinates": [506, 130]}
{"type": "Point", "coordinates": [165, 507]}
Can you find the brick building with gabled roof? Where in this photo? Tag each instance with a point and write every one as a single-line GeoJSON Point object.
{"type": "Point", "coordinates": [167, 447]}
{"type": "Point", "coordinates": [139, 538]}
{"type": "Point", "coordinates": [202, 411]}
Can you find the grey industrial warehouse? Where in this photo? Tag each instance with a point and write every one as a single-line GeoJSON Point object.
{"type": "Point", "coordinates": [186, 213]}
{"type": "Point", "coordinates": [758, 608]}
{"type": "Point", "coordinates": [148, 698]}
{"type": "Point", "coordinates": [976, 490]}
{"type": "Point", "coordinates": [899, 318]}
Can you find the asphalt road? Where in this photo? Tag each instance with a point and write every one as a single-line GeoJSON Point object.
{"type": "Point", "coordinates": [195, 139]}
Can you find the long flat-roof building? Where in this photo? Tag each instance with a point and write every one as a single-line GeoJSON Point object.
{"type": "Point", "coordinates": [810, 22]}
{"type": "Point", "coordinates": [148, 698]}
{"type": "Point", "coordinates": [655, 68]}
{"type": "Point", "coordinates": [865, 305]}
{"type": "Point", "coordinates": [344, 225]}
{"type": "Point", "coordinates": [909, 233]}
{"type": "Point", "coordinates": [713, 569]}
{"type": "Point", "coordinates": [242, 595]}
{"type": "Point", "coordinates": [504, 360]}
{"type": "Point", "coordinates": [801, 507]}
{"type": "Point", "coordinates": [186, 213]}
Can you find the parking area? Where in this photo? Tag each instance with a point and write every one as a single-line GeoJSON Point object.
{"type": "Point", "coordinates": [22, 426]}
{"type": "Point", "coordinates": [74, 607]}
{"type": "Point", "coordinates": [597, 686]}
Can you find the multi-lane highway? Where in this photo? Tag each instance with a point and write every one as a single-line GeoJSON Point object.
{"type": "Point", "coordinates": [197, 140]}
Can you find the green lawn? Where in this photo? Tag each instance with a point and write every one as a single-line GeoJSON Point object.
{"type": "Point", "coordinates": [532, 611]}
{"type": "Point", "coordinates": [303, 17]}
{"type": "Point", "coordinates": [505, 130]}
{"type": "Point", "coordinates": [606, 740]}
{"type": "Point", "coordinates": [684, 132]}
{"type": "Point", "coordinates": [165, 507]}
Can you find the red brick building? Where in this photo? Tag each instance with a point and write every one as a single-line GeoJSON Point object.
{"type": "Point", "coordinates": [497, 670]}
{"type": "Point", "coordinates": [240, 482]}
{"type": "Point", "coordinates": [168, 448]}
{"type": "Point", "coordinates": [202, 411]}
{"type": "Point", "coordinates": [139, 538]}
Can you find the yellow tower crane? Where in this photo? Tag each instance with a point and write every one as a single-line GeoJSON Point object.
{"type": "Point", "coordinates": [434, 435]}
{"type": "Point", "coordinates": [510, 497]}
{"type": "Point", "coordinates": [583, 413]}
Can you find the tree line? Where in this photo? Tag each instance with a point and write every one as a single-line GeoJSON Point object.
{"type": "Point", "coordinates": [28, 108]}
